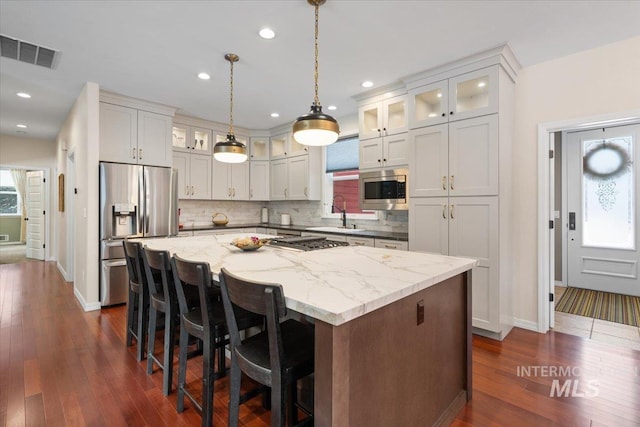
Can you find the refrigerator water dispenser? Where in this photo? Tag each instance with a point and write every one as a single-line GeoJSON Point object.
{"type": "Point", "coordinates": [125, 216]}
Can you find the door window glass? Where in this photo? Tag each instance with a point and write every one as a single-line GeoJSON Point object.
{"type": "Point", "coordinates": [608, 193]}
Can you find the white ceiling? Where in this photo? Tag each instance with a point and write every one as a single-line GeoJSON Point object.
{"type": "Point", "coordinates": [153, 50]}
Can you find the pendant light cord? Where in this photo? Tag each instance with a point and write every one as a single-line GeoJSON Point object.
{"type": "Point", "coordinates": [231, 101]}
{"type": "Point", "coordinates": [316, 100]}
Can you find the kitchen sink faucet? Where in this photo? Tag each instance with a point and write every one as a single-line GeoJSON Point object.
{"type": "Point", "coordinates": [343, 211]}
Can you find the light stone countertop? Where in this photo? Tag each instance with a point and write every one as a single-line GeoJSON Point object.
{"type": "Point", "coordinates": [332, 285]}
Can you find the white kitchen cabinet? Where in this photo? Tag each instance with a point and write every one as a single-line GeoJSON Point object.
{"type": "Point", "coordinates": [128, 135]}
{"type": "Point", "coordinates": [460, 168]}
{"type": "Point", "coordinates": [194, 175]}
{"type": "Point", "coordinates": [230, 181]}
{"type": "Point", "coordinates": [463, 227]}
{"type": "Point", "coordinates": [460, 97]}
{"type": "Point", "coordinates": [383, 118]}
{"type": "Point", "coordinates": [259, 148]}
{"type": "Point", "coordinates": [390, 244]}
{"type": "Point", "coordinates": [360, 241]}
{"type": "Point", "coordinates": [191, 139]}
{"type": "Point", "coordinates": [297, 178]}
{"type": "Point", "coordinates": [383, 152]}
{"type": "Point", "coordinates": [259, 180]}
{"type": "Point", "coordinates": [284, 145]}
{"type": "Point", "coordinates": [455, 159]}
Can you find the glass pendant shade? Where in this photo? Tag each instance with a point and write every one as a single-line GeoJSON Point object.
{"type": "Point", "coordinates": [316, 128]}
{"type": "Point", "coordinates": [230, 151]}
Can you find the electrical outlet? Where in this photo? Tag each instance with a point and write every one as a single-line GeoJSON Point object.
{"type": "Point", "coordinates": [420, 312]}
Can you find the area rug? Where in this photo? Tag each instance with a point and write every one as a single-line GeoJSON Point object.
{"type": "Point", "coordinates": [617, 308]}
{"type": "Point", "coordinates": [11, 254]}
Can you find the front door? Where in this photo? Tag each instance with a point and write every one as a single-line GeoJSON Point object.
{"type": "Point", "coordinates": [35, 215]}
{"type": "Point", "coordinates": [603, 205]}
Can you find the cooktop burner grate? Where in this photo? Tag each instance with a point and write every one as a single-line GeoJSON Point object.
{"type": "Point", "coordinates": [307, 243]}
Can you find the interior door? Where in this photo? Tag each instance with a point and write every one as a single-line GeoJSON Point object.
{"type": "Point", "coordinates": [35, 215]}
{"type": "Point", "coordinates": [602, 200]}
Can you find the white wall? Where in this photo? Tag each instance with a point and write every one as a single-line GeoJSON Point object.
{"type": "Point", "coordinates": [590, 83]}
{"type": "Point", "coordinates": [35, 153]}
{"type": "Point", "coordinates": [79, 135]}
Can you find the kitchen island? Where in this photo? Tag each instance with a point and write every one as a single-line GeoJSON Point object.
{"type": "Point", "coordinates": [393, 332]}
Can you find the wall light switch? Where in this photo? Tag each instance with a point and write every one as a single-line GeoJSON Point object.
{"type": "Point", "coordinates": [420, 312]}
{"type": "Point", "coordinates": [556, 214]}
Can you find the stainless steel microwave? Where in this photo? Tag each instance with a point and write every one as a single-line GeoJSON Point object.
{"type": "Point", "coordinates": [384, 190]}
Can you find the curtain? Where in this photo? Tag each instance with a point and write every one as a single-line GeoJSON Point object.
{"type": "Point", "coordinates": [20, 180]}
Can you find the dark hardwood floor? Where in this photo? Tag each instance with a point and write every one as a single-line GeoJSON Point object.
{"type": "Point", "coordinates": [62, 366]}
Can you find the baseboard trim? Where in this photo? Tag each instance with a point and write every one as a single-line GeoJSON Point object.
{"type": "Point", "coordinates": [559, 283]}
{"type": "Point", "coordinates": [85, 306]}
{"type": "Point", "coordinates": [527, 324]}
{"type": "Point", "coordinates": [63, 272]}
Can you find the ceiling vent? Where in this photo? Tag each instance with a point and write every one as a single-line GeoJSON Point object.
{"type": "Point", "coordinates": [28, 52]}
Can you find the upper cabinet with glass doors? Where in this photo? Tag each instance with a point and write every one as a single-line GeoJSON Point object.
{"type": "Point", "coordinates": [383, 118]}
{"type": "Point", "coordinates": [259, 148]}
{"type": "Point", "coordinates": [461, 97]}
{"type": "Point", "coordinates": [284, 145]}
{"type": "Point", "coordinates": [191, 139]}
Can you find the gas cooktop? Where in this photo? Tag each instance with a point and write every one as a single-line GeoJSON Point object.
{"type": "Point", "coordinates": [307, 243]}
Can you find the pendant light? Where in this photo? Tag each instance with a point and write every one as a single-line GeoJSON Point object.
{"type": "Point", "coordinates": [316, 128]}
{"type": "Point", "coordinates": [230, 151]}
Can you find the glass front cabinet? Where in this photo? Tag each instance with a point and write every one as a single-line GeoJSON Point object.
{"type": "Point", "coordinates": [191, 139]}
{"type": "Point", "coordinates": [461, 97]}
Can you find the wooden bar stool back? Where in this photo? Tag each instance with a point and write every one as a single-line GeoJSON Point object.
{"type": "Point", "coordinates": [163, 299]}
{"type": "Point", "coordinates": [277, 357]}
{"type": "Point", "coordinates": [138, 301]}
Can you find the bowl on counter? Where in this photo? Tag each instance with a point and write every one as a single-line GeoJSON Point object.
{"type": "Point", "coordinates": [252, 243]}
{"type": "Point", "coordinates": [219, 221]}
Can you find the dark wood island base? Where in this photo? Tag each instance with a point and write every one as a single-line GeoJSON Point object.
{"type": "Point", "coordinates": [386, 368]}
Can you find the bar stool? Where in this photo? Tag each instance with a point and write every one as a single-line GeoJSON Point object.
{"type": "Point", "coordinates": [206, 322]}
{"type": "Point", "coordinates": [277, 357]}
{"type": "Point", "coordinates": [138, 302]}
{"type": "Point", "coordinates": [163, 299]}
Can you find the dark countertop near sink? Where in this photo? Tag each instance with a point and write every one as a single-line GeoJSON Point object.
{"type": "Point", "coordinates": [390, 235]}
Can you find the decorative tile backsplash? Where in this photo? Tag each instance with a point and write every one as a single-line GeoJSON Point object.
{"type": "Point", "coordinates": [198, 212]}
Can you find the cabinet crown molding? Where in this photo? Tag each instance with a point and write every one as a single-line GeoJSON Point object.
{"type": "Point", "coordinates": [500, 55]}
{"type": "Point", "coordinates": [382, 92]}
{"type": "Point", "coordinates": [138, 104]}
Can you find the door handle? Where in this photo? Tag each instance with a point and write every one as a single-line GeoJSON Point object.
{"type": "Point", "coordinates": [572, 220]}
{"type": "Point", "coordinates": [451, 211]}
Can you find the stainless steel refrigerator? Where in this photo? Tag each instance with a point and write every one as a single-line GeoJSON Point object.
{"type": "Point", "coordinates": [135, 201]}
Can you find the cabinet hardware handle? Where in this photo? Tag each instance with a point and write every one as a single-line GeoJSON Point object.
{"type": "Point", "coordinates": [444, 114]}
{"type": "Point", "coordinates": [186, 190]}
{"type": "Point", "coordinates": [140, 153]}
{"type": "Point", "coordinates": [444, 182]}
{"type": "Point", "coordinates": [233, 192]}
{"type": "Point", "coordinates": [444, 211]}
{"type": "Point", "coordinates": [193, 193]}
{"type": "Point", "coordinates": [252, 156]}
{"type": "Point", "coordinates": [359, 243]}
{"type": "Point", "coordinates": [452, 217]}
{"type": "Point", "coordinates": [384, 160]}
{"type": "Point", "coordinates": [285, 153]}
{"type": "Point", "coordinates": [251, 193]}
{"type": "Point", "coordinates": [285, 192]}
{"type": "Point", "coordinates": [451, 112]}
{"type": "Point", "coordinates": [133, 153]}
{"type": "Point", "coordinates": [306, 149]}
{"type": "Point", "coordinates": [379, 161]}
{"type": "Point", "coordinates": [451, 182]}
{"type": "Point", "coordinates": [228, 191]}
{"type": "Point", "coordinates": [389, 246]}
{"type": "Point", "coordinates": [305, 192]}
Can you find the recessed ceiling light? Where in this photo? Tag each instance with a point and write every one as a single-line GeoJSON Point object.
{"type": "Point", "coordinates": [439, 94]}
{"type": "Point", "coordinates": [267, 33]}
{"type": "Point", "coordinates": [275, 115]}
{"type": "Point", "coordinates": [367, 84]}
{"type": "Point", "coordinates": [204, 76]}
{"type": "Point", "coordinates": [482, 84]}
{"type": "Point", "coordinates": [22, 126]}
{"type": "Point", "coordinates": [23, 95]}
{"type": "Point", "coordinates": [332, 107]}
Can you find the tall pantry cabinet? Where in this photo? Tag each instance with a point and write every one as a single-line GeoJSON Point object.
{"type": "Point", "coordinates": [460, 137]}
